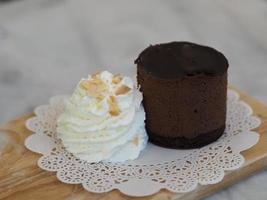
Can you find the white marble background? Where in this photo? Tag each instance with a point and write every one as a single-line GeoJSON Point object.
{"type": "Point", "coordinates": [46, 46]}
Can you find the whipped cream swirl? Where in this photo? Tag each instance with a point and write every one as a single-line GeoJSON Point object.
{"type": "Point", "coordinates": [104, 119]}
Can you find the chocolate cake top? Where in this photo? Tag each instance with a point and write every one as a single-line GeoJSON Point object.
{"type": "Point", "coordinates": [178, 59]}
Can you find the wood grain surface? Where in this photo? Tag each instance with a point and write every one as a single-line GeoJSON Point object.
{"type": "Point", "coordinates": [20, 178]}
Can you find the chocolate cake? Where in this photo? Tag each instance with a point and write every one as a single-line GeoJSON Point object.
{"type": "Point", "coordinates": [184, 87]}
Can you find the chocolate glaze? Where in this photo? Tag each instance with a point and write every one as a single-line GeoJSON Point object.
{"type": "Point", "coordinates": [178, 59]}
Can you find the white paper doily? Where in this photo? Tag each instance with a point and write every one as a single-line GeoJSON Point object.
{"type": "Point", "coordinates": [157, 168]}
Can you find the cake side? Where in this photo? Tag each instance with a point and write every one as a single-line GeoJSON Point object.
{"type": "Point", "coordinates": [184, 107]}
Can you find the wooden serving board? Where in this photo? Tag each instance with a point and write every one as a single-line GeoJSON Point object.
{"type": "Point", "coordinates": [20, 177]}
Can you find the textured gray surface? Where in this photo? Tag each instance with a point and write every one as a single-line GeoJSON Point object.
{"type": "Point", "coordinates": [46, 46]}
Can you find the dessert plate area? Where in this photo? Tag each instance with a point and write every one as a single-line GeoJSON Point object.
{"type": "Point", "coordinates": [21, 178]}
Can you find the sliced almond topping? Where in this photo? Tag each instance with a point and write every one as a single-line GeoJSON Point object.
{"type": "Point", "coordinates": [122, 90]}
{"type": "Point", "coordinates": [96, 75]}
{"type": "Point", "coordinates": [116, 79]}
{"type": "Point", "coordinates": [94, 87]}
{"type": "Point", "coordinates": [85, 84]}
{"type": "Point", "coordinates": [100, 97]}
{"type": "Point", "coordinates": [135, 141]}
{"type": "Point", "coordinates": [114, 109]}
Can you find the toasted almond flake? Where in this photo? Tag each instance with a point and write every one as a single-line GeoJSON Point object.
{"type": "Point", "coordinates": [135, 141]}
{"type": "Point", "coordinates": [116, 79]}
{"type": "Point", "coordinates": [95, 75]}
{"type": "Point", "coordinates": [94, 87]}
{"type": "Point", "coordinates": [85, 84]}
{"type": "Point", "coordinates": [122, 90]}
{"type": "Point", "coordinates": [114, 109]}
{"type": "Point", "coordinates": [100, 97]}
